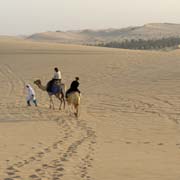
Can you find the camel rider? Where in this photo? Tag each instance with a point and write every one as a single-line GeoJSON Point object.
{"type": "Point", "coordinates": [73, 87]}
{"type": "Point", "coordinates": [30, 95]}
{"type": "Point", "coordinates": [56, 79]}
{"type": "Point", "coordinates": [57, 75]}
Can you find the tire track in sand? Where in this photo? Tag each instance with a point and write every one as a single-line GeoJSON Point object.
{"type": "Point", "coordinates": [6, 81]}
{"type": "Point", "coordinates": [13, 107]}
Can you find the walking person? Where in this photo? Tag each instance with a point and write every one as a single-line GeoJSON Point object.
{"type": "Point", "coordinates": [30, 95]}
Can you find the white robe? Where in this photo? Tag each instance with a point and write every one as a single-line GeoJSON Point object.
{"type": "Point", "coordinates": [30, 93]}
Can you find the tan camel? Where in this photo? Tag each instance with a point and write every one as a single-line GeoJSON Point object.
{"type": "Point", "coordinates": [59, 95]}
{"type": "Point", "coordinates": [73, 101]}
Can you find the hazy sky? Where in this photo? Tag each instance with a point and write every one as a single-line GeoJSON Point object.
{"type": "Point", "coordinates": [30, 16]}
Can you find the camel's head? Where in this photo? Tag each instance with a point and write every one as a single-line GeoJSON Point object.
{"type": "Point", "coordinates": [37, 82]}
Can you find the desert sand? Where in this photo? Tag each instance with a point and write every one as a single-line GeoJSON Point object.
{"type": "Point", "coordinates": [128, 126]}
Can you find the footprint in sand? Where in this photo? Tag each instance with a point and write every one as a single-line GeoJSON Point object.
{"type": "Point", "coordinates": [60, 169]}
{"type": "Point", "coordinates": [147, 142]}
{"type": "Point", "coordinates": [47, 150]}
{"type": "Point", "coordinates": [88, 177]}
{"type": "Point", "coordinates": [55, 178]}
{"type": "Point", "coordinates": [57, 174]}
{"type": "Point", "coordinates": [89, 165]}
{"type": "Point", "coordinates": [25, 162]}
{"type": "Point", "coordinates": [38, 170]}
{"type": "Point", "coordinates": [17, 177]}
{"type": "Point", "coordinates": [40, 154]}
{"type": "Point", "coordinates": [32, 158]}
{"type": "Point", "coordinates": [35, 177]}
{"type": "Point", "coordinates": [10, 173]}
{"type": "Point", "coordinates": [160, 144]}
{"type": "Point", "coordinates": [19, 164]}
{"type": "Point", "coordinates": [55, 146]}
{"type": "Point", "coordinates": [63, 159]}
{"type": "Point", "coordinates": [65, 155]}
{"type": "Point", "coordinates": [40, 143]}
{"type": "Point", "coordinates": [45, 166]}
{"type": "Point", "coordinates": [11, 170]}
{"type": "Point", "coordinates": [58, 164]}
{"type": "Point", "coordinates": [83, 175]}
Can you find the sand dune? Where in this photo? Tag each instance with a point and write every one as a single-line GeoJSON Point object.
{"type": "Point", "coordinates": [129, 116]}
{"type": "Point", "coordinates": [88, 36]}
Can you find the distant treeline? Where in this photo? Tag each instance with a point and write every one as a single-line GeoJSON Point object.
{"type": "Point", "coordinates": [144, 44]}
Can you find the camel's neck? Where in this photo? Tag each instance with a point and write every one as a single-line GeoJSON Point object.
{"type": "Point", "coordinates": [42, 87]}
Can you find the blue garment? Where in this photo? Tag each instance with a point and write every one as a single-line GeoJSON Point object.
{"type": "Point", "coordinates": [55, 89]}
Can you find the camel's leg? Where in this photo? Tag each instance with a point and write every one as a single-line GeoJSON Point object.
{"type": "Point", "coordinates": [51, 103]}
{"type": "Point", "coordinates": [64, 102]}
{"type": "Point", "coordinates": [63, 99]}
{"type": "Point", "coordinates": [60, 103]}
{"type": "Point", "coordinates": [50, 100]}
{"type": "Point", "coordinates": [58, 96]}
{"type": "Point", "coordinates": [76, 110]}
{"type": "Point", "coordinates": [69, 110]}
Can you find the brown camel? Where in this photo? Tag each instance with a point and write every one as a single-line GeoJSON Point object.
{"type": "Point", "coordinates": [59, 95]}
{"type": "Point", "coordinates": [73, 100]}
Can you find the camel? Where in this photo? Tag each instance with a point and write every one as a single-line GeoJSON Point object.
{"type": "Point", "coordinates": [73, 100]}
{"type": "Point", "coordinates": [59, 95]}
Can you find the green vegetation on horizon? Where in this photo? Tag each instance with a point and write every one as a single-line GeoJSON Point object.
{"type": "Point", "coordinates": [144, 44]}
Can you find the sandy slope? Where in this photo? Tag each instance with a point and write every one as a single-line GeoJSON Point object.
{"type": "Point", "coordinates": [129, 122]}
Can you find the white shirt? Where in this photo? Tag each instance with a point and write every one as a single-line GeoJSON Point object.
{"type": "Point", "coordinates": [57, 75]}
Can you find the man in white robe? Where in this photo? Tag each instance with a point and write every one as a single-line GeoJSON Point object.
{"type": "Point", "coordinates": [30, 95]}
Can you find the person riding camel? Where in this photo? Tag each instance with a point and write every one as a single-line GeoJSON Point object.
{"type": "Point", "coordinates": [57, 74]}
{"type": "Point", "coordinates": [56, 79]}
{"type": "Point", "coordinates": [74, 87]}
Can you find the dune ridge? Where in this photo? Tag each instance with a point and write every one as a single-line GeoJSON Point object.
{"type": "Point", "coordinates": [89, 36]}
